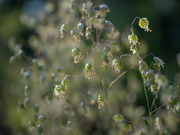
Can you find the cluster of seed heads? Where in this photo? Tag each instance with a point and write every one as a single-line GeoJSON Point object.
{"type": "Point", "coordinates": [93, 19]}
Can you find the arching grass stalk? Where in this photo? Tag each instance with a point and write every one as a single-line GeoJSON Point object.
{"type": "Point", "coordinates": [143, 67]}
{"type": "Point", "coordinates": [106, 92]}
{"type": "Point", "coordinates": [101, 79]}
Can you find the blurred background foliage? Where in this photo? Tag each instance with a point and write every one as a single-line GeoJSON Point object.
{"type": "Point", "coordinates": [126, 96]}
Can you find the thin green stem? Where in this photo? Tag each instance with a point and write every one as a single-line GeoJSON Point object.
{"type": "Point", "coordinates": [122, 74]}
{"type": "Point", "coordinates": [145, 91]}
{"type": "Point", "coordinates": [177, 85]}
{"type": "Point", "coordinates": [49, 116]}
{"type": "Point", "coordinates": [147, 100]}
{"type": "Point", "coordinates": [109, 106]}
{"type": "Point", "coordinates": [133, 23]}
{"type": "Point", "coordinates": [154, 101]}
{"type": "Point", "coordinates": [103, 84]}
{"type": "Point", "coordinates": [84, 47]}
{"type": "Point", "coordinates": [158, 108]}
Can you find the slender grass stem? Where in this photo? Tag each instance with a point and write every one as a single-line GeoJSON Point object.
{"type": "Point", "coordinates": [158, 108]}
{"type": "Point", "coordinates": [109, 106]}
{"type": "Point", "coordinates": [133, 23]}
{"type": "Point", "coordinates": [147, 100]}
{"type": "Point", "coordinates": [154, 101]}
{"type": "Point", "coordinates": [48, 113]}
{"type": "Point", "coordinates": [122, 74]}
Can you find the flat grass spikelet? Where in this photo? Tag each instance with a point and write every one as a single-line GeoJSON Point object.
{"type": "Point", "coordinates": [133, 39]}
{"type": "Point", "coordinates": [100, 101]}
{"type": "Point", "coordinates": [144, 24]}
{"type": "Point", "coordinates": [117, 64]}
{"type": "Point", "coordinates": [89, 70]}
